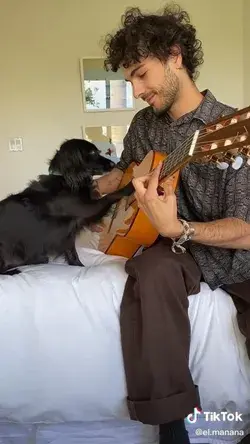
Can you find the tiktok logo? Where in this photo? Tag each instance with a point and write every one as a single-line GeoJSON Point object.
{"type": "Point", "coordinates": [213, 416]}
{"type": "Point", "coordinates": [192, 417]}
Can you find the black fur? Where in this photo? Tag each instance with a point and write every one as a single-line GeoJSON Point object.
{"type": "Point", "coordinates": [44, 219]}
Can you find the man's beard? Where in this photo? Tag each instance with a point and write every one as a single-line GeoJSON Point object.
{"type": "Point", "coordinates": [168, 91]}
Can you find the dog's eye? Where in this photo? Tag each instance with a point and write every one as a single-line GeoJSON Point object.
{"type": "Point", "coordinates": [94, 153]}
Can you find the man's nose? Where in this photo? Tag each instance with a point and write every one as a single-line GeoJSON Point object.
{"type": "Point", "coordinates": [138, 90]}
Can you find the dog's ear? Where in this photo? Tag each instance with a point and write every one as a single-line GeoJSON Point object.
{"type": "Point", "coordinates": [52, 163]}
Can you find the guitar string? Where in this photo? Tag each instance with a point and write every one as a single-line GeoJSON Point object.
{"type": "Point", "coordinates": [204, 131]}
{"type": "Point", "coordinates": [182, 155]}
{"type": "Point", "coordinates": [179, 152]}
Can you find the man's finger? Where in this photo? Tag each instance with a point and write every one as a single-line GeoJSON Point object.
{"type": "Point", "coordinates": [168, 187]}
{"type": "Point", "coordinates": [140, 184]}
{"type": "Point", "coordinates": [139, 202]}
{"type": "Point", "coordinates": [153, 182]}
{"type": "Point", "coordinates": [142, 179]}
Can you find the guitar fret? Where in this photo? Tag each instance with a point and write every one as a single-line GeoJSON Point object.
{"type": "Point", "coordinates": [175, 158]}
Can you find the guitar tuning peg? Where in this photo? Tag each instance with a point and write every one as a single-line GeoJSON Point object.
{"type": "Point", "coordinates": [236, 165]}
{"type": "Point", "coordinates": [243, 137]}
{"type": "Point", "coordinates": [222, 165]}
{"type": "Point", "coordinates": [229, 157]}
{"type": "Point", "coordinates": [245, 151]}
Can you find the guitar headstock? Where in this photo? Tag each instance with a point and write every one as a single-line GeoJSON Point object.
{"type": "Point", "coordinates": [225, 141]}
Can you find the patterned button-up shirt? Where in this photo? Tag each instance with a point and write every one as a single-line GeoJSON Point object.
{"type": "Point", "coordinates": [205, 192]}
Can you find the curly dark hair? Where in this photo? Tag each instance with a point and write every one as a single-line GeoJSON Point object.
{"type": "Point", "coordinates": [143, 35]}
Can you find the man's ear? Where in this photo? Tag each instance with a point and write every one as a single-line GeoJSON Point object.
{"type": "Point", "coordinates": [176, 56]}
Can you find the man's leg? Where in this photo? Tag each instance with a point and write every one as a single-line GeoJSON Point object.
{"type": "Point", "coordinates": [155, 334]}
{"type": "Point", "coordinates": [241, 297]}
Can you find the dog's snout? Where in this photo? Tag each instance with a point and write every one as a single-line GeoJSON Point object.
{"type": "Point", "coordinates": [108, 164]}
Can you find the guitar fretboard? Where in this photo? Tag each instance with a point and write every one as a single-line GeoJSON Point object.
{"type": "Point", "coordinates": [176, 158]}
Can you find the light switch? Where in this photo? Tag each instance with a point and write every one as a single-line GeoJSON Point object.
{"type": "Point", "coordinates": [16, 144]}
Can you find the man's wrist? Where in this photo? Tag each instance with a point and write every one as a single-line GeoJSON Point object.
{"type": "Point", "coordinates": [183, 232]}
{"type": "Point", "coordinates": [175, 232]}
{"type": "Point", "coordinates": [188, 231]}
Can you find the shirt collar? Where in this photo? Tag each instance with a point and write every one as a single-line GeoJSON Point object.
{"type": "Point", "coordinates": [204, 110]}
{"type": "Point", "coordinates": [202, 113]}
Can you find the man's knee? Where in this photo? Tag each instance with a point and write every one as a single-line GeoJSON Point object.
{"type": "Point", "coordinates": [159, 263]}
{"type": "Point", "coordinates": [157, 258]}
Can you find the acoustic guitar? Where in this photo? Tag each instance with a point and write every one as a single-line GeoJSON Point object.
{"type": "Point", "coordinates": [222, 142]}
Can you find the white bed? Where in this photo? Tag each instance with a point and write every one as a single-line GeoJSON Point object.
{"type": "Point", "coordinates": [62, 378]}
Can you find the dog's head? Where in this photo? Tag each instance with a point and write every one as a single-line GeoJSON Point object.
{"type": "Point", "coordinates": [77, 160]}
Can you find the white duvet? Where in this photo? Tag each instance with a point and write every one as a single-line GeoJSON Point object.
{"type": "Point", "coordinates": [60, 353]}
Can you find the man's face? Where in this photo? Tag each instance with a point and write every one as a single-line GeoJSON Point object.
{"type": "Point", "coordinates": [155, 82]}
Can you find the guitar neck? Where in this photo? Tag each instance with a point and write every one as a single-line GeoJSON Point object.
{"type": "Point", "coordinates": [178, 158]}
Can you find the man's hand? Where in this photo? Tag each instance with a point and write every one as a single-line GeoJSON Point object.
{"type": "Point", "coordinates": [95, 228]}
{"type": "Point", "coordinates": [229, 233]}
{"type": "Point", "coordinates": [161, 208]}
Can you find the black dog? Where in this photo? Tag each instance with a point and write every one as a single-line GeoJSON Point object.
{"type": "Point", "coordinates": [44, 219]}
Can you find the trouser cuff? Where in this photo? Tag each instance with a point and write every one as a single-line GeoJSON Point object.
{"type": "Point", "coordinates": [164, 410]}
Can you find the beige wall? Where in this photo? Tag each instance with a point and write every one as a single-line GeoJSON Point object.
{"type": "Point", "coordinates": [246, 59]}
{"type": "Point", "coordinates": [40, 46]}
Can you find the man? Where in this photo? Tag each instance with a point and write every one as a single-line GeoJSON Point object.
{"type": "Point", "coordinates": [159, 55]}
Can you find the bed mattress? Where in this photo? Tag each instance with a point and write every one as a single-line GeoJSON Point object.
{"type": "Point", "coordinates": [62, 377]}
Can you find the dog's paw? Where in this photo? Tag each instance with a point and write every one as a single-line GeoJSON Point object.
{"type": "Point", "coordinates": [12, 272]}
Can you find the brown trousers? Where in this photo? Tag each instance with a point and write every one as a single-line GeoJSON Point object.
{"type": "Point", "coordinates": [155, 334]}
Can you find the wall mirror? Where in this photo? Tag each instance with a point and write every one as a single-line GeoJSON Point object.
{"type": "Point", "coordinates": [102, 90]}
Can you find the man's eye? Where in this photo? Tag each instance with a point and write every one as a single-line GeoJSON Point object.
{"type": "Point", "coordinates": [142, 75]}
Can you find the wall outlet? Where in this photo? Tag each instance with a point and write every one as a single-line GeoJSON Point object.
{"type": "Point", "coordinates": [16, 144]}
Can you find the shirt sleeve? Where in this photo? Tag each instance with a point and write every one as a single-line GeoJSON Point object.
{"type": "Point", "coordinates": [129, 143]}
{"type": "Point", "coordinates": [237, 193]}
{"type": "Point", "coordinates": [237, 204]}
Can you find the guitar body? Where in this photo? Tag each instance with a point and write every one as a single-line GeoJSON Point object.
{"type": "Point", "coordinates": [129, 228]}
